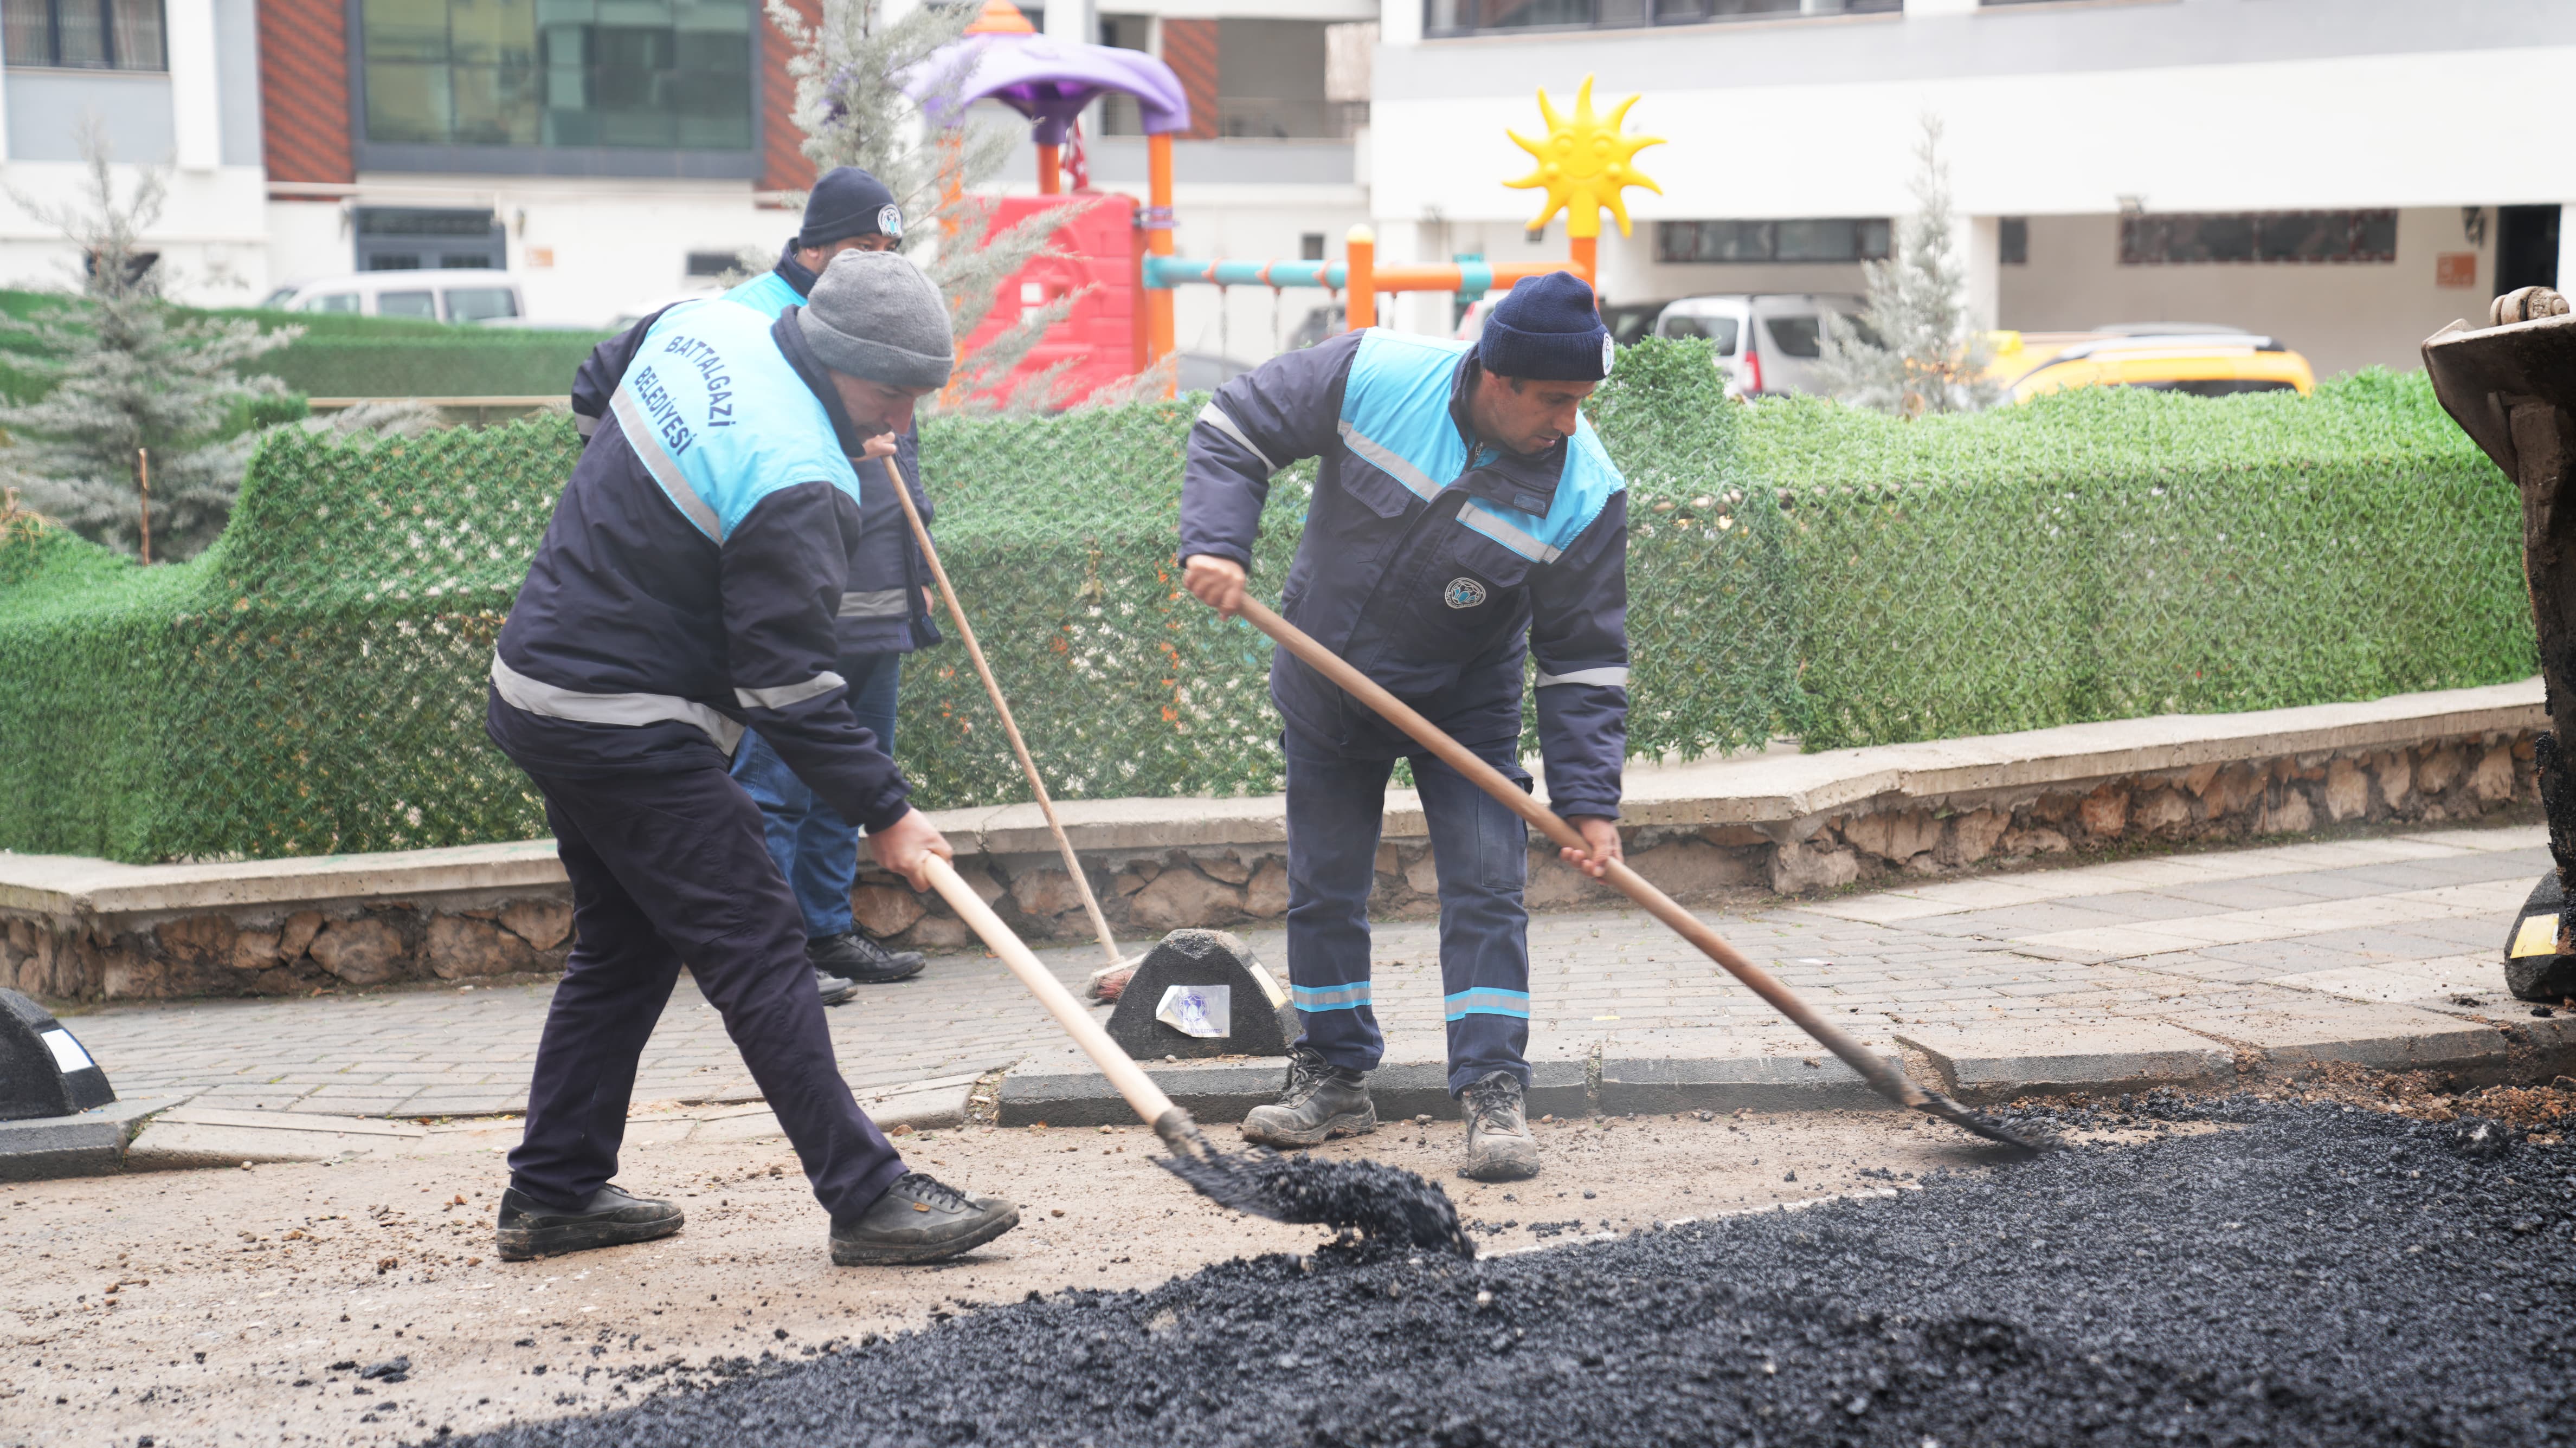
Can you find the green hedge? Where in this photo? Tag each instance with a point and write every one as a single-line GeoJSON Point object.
{"type": "Point", "coordinates": [341, 356]}
{"type": "Point", "coordinates": [313, 682]}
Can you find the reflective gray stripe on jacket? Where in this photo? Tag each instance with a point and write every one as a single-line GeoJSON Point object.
{"type": "Point", "coordinates": [539, 697]}
{"type": "Point", "coordinates": [879, 603]}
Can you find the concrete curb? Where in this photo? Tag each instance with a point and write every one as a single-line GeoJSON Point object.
{"type": "Point", "coordinates": [1984, 1064]}
{"type": "Point", "coordinates": [92, 1143]}
{"type": "Point", "coordinates": [1220, 1091]}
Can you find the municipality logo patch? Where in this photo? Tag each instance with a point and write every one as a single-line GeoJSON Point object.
{"type": "Point", "coordinates": [1463, 593]}
{"type": "Point", "coordinates": [890, 219]}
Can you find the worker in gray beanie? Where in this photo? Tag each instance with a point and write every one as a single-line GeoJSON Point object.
{"type": "Point", "coordinates": [875, 315]}
{"type": "Point", "coordinates": [887, 612]}
{"type": "Point", "coordinates": [687, 591]}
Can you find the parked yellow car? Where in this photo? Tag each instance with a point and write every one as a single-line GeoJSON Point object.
{"type": "Point", "coordinates": [2200, 361]}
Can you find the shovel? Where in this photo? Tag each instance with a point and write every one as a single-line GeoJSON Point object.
{"type": "Point", "coordinates": [1379, 1201]}
{"type": "Point", "coordinates": [1881, 1074]}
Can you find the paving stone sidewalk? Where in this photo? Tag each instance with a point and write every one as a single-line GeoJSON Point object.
{"type": "Point", "coordinates": [2341, 940]}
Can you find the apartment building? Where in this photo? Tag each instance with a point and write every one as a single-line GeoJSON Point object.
{"type": "Point", "coordinates": [611, 153]}
{"type": "Point", "coordinates": [2345, 174]}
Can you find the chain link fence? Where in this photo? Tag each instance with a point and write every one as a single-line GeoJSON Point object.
{"type": "Point", "coordinates": [314, 683]}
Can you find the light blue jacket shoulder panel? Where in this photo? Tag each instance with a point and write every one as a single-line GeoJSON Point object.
{"type": "Point", "coordinates": [1395, 413]}
{"type": "Point", "coordinates": [1395, 409]}
{"type": "Point", "coordinates": [768, 294]}
{"type": "Point", "coordinates": [720, 418]}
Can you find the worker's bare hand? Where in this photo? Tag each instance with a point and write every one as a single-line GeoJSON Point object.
{"type": "Point", "coordinates": [904, 845]}
{"type": "Point", "coordinates": [879, 446]}
{"type": "Point", "coordinates": [1216, 582]}
{"type": "Point", "coordinates": [1602, 837]}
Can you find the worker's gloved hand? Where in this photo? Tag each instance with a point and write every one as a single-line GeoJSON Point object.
{"type": "Point", "coordinates": [905, 844]}
{"type": "Point", "coordinates": [1216, 582]}
{"type": "Point", "coordinates": [1603, 838]}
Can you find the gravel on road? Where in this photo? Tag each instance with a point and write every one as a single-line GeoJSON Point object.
{"type": "Point", "coordinates": [2262, 1273]}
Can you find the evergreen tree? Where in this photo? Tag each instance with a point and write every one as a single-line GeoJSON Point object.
{"type": "Point", "coordinates": [851, 103]}
{"type": "Point", "coordinates": [129, 382]}
{"type": "Point", "coordinates": [1917, 351]}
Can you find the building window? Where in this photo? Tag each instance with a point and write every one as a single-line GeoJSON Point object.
{"type": "Point", "coordinates": [2012, 241]}
{"type": "Point", "coordinates": [667, 74]}
{"type": "Point", "coordinates": [409, 238]}
{"type": "Point", "coordinates": [1474, 17]}
{"type": "Point", "coordinates": [2184, 238]}
{"type": "Point", "coordinates": [84, 34]}
{"type": "Point", "coordinates": [1816, 239]}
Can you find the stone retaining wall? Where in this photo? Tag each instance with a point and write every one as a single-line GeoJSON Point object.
{"type": "Point", "coordinates": [466, 935]}
{"type": "Point", "coordinates": [1145, 894]}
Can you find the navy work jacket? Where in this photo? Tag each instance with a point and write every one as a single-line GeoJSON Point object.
{"type": "Point", "coordinates": [1432, 562]}
{"type": "Point", "coordinates": [886, 612]}
{"type": "Point", "coordinates": [689, 583]}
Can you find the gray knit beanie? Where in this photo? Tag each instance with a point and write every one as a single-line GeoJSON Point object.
{"type": "Point", "coordinates": [873, 314]}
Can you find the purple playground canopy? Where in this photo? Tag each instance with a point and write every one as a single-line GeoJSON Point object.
{"type": "Point", "coordinates": [1050, 82]}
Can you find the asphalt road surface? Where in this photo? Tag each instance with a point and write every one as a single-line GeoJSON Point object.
{"type": "Point", "coordinates": [2259, 1274]}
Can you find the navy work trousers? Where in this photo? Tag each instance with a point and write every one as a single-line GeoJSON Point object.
{"type": "Point", "coordinates": [1336, 803]}
{"type": "Point", "coordinates": [816, 849]}
{"type": "Point", "coordinates": [670, 867]}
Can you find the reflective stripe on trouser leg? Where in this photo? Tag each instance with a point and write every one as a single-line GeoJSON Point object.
{"type": "Point", "coordinates": [1335, 806]}
{"type": "Point", "coordinates": [1481, 851]}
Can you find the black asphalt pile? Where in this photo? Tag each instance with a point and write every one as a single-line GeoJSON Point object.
{"type": "Point", "coordinates": [2300, 1275]}
{"type": "Point", "coordinates": [1385, 1206]}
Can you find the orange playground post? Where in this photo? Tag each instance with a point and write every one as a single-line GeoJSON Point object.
{"type": "Point", "coordinates": [1159, 337]}
{"type": "Point", "coordinates": [1360, 278]}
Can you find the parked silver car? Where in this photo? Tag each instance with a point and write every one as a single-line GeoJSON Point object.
{"type": "Point", "coordinates": [473, 295]}
{"type": "Point", "coordinates": [1767, 342]}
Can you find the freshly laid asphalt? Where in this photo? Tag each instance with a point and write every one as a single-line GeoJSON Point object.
{"type": "Point", "coordinates": [2256, 1274]}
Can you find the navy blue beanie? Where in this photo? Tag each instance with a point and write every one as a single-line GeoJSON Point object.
{"type": "Point", "coordinates": [1547, 330]}
{"type": "Point", "coordinates": [847, 201]}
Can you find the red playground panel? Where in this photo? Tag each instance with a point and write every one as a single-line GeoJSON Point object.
{"type": "Point", "coordinates": [1104, 338]}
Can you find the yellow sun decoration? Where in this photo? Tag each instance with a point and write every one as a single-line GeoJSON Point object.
{"type": "Point", "coordinates": [1584, 163]}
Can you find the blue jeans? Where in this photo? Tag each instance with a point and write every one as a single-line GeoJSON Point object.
{"type": "Point", "coordinates": [1336, 803]}
{"type": "Point", "coordinates": [815, 848]}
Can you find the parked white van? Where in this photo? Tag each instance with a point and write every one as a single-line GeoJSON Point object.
{"type": "Point", "coordinates": [1767, 342]}
{"type": "Point", "coordinates": [461, 295]}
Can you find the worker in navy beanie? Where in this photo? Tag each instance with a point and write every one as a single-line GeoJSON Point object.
{"type": "Point", "coordinates": [1465, 524]}
{"type": "Point", "coordinates": [1547, 328]}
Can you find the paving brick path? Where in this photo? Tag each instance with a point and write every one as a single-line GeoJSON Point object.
{"type": "Point", "coordinates": [2325, 937]}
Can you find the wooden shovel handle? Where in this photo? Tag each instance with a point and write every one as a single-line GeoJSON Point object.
{"type": "Point", "coordinates": [1882, 1076]}
{"type": "Point", "coordinates": [1010, 727]}
{"type": "Point", "coordinates": [1121, 1069]}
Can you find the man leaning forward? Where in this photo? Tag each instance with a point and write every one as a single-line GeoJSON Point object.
{"type": "Point", "coordinates": [1464, 518]}
{"type": "Point", "coordinates": [685, 591]}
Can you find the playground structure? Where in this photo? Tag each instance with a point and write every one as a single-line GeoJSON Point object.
{"type": "Point", "coordinates": [1121, 321]}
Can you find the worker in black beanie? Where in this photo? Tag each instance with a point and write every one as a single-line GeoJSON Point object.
{"type": "Point", "coordinates": [1464, 522]}
{"type": "Point", "coordinates": [848, 210]}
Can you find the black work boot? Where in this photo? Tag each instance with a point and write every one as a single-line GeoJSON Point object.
{"type": "Point", "coordinates": [1319, 1102]}
{"type": "Point", "coordinates": [1500, 1147]}
{"type": "Point", "coordinates": [919, 1219]}
{"type": "Point", "coordinates": [856, 958]}
{"type": "Point", "coordinates": [833, 989]}
{"type": "Point", "coordinates": [529, 1228]}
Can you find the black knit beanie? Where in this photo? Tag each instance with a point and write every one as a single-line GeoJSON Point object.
{"type": "Point", "coordinates": [847, 201]}
{"type": "Point", "coordinates": [1547, 330]}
